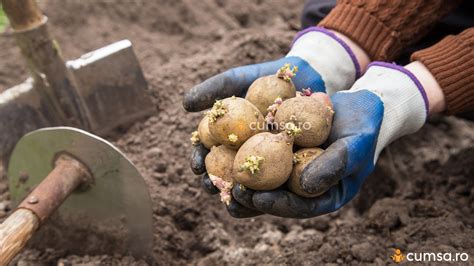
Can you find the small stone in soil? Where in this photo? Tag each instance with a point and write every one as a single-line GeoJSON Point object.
{"type": "Point", "coordinates": [363, 252]}
{"type": "Point", "coordinates": [161, 167]}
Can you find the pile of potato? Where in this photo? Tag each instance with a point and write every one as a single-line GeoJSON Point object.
{"type": "Point", "coordinates": [266, 139]}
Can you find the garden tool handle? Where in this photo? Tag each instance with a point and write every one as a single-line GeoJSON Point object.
{"type": "Point", "coordinates": [53, 82]}
{"type": "Point", "coordinates": [15, 232]}
{"type": "Point", "coordinates": [23, 14]}
{"type": "Point", "coordinates": [67, 175]}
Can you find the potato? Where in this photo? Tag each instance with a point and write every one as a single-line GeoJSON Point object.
{"type": "Point", "coordinates": [310, 113]}
{"type": "Point", "coordinates": [265, 161]}
{"type": "Point", "coordinates": [205, 136]}
{"type": "Point", "coordinates": [219, 163]}
{"type": "Point", "coordinates": [234, 120]}
{"type": "Point", "coordinates": [320, 96]}
{"type": "Point", "coordinates": [302, 158]}
{"type": "Point", "coordinates": [323, 98]}
{"type": "Point", "coordinates": [263, 91]}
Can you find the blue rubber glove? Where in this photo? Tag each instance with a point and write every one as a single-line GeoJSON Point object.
{"type": "Point", "coordinates": [325, 64]}
{"type": "Point", "coordinates": [383, 105]}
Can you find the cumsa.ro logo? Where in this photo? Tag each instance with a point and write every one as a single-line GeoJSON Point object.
{"type": "Point", "coordinates": [398, 256]}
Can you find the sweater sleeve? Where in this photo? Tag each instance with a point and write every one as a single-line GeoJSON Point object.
{"type": "Point", "coordinates": [451, 61]}
{"type": "Point", "coordinates": [383, 28]}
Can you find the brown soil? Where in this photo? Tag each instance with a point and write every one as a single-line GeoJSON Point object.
{"type": "Point", "coordinates": [421, 197]}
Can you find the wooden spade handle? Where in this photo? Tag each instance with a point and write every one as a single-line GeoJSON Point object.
{"type": "Point", "coordinates": [67, 175]}
{"type": "Point", "coordinates": [44, 60]}
{"type": "Point", "coordinates": [15, 233]}
{"type": "Point", "coordinates": [23, 14]}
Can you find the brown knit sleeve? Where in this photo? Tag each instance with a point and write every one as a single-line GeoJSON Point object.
{"type": "Point", "coordinates": [383, 28]}
{"type": "Point", "coordinates": [451, 61]}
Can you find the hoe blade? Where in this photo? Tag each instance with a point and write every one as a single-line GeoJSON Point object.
{"type": "Point", "coordinates": [113, 215]}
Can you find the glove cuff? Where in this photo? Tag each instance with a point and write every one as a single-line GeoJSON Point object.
{"type": "Point", "coordinates": [328, 55]}
{"type": "Point", "coordinates": [404, 99]}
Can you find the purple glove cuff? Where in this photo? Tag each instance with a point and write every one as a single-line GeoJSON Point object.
{"type": "Point", "coordinates": [332, 35]}
{"type": "Point", "coordinates": [410, 75]}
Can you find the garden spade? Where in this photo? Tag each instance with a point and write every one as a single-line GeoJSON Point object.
{"type": "Point", "coordinates": [75, 192]}
{"type": "Point", "coordinates": [99, 92]}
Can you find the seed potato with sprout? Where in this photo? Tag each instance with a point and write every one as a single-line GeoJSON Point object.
{"type": "Point", "coordinates": [312, 113]}
{"type": "Point", "coordinates": [301, 159]}
{"type": "Point", "coordinates": [265, 161]}
{"type": "Point", "coordinates": [270, 117]}
{"type": "Point", "coordinates": [204, 135]}
{"type": "Point", "coordinates": [195, 140]}
{"type": "Point", "coordinates": [263, 91]}
{"type": "Point", "coordinates": [219, 162]}
{"type": "Point", "coordinates": [324, 99]}
{"type": "Point", "coordinates": [234, 120]}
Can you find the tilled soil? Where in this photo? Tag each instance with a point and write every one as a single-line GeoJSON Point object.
{"type": "Point", "coordinates": [420, 198]}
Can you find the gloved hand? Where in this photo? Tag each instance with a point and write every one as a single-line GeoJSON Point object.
{"type": "Point", "coordinates": [386, 103]}
{"type": "Point", "coordinates": [325, 63]}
